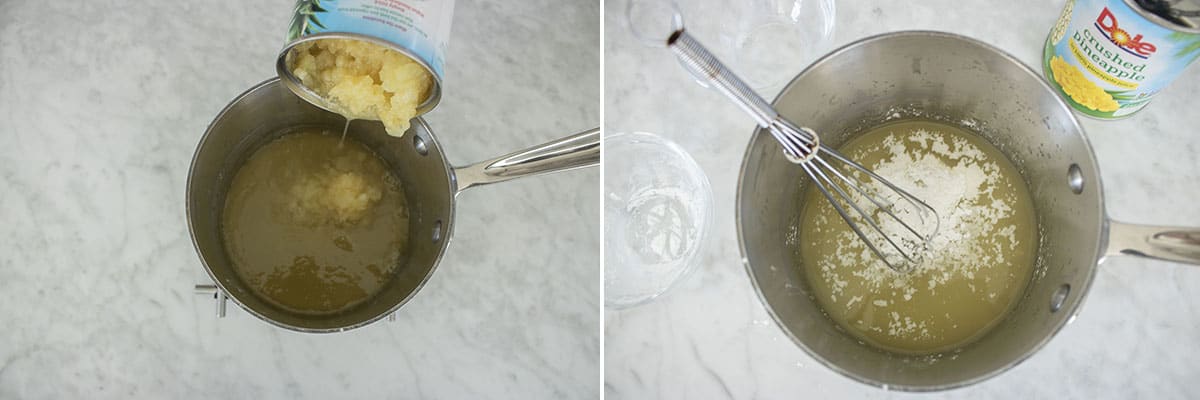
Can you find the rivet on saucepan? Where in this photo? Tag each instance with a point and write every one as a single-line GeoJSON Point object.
{"type": "Point", "coordinates": [437, 231]}
{"type": "Point", "coordinates": [1075, 178]}
{"type": "Point", "coordinates": [1059, 297]}
{"type": "Point", "coordinates": [419, 144]}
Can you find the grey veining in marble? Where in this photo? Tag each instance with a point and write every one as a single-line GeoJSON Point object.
{"type": "Point", "coordinates": [710, 338]}
{"type": "Point", "coordinates": [101, 106]}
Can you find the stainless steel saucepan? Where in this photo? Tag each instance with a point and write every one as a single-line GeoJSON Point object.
{"type": "Point", "coordinates": [964, 82]}
{"type": "Point", "coordinates": [430, 185]}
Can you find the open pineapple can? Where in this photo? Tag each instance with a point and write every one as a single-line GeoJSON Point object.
{"type": "Point", "coordinates": [368, 59]}
{"type": "Point", "coordinates": [1109, 58]}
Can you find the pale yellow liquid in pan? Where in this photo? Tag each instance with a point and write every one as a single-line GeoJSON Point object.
{"type": "Point", "coordinates": [313, 223]}
{"type": "Point", "coordinates": [977, 266]}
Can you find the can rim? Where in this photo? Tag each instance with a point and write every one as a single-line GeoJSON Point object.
{"type": "Point", "coordinates": [432, 99]}
{"type": "Point", "coordinates": [1160, 20]}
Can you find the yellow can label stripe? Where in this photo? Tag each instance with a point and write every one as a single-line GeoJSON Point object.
{"type": "Point", "coordinates": [1086, 62]}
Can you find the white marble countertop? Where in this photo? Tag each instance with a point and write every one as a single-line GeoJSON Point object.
{"type": "Point", "coordinates": [1136, 336]}
{"type": "Point", "coordinates": [101, 107]}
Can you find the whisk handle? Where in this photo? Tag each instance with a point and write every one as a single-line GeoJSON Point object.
{"type": "Point", "coordinates": [704, 66]}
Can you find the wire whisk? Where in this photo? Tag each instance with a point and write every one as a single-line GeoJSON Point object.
{"type": "Point", "coordinates": [898, 225]}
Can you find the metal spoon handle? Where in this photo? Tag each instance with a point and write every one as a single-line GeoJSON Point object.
{"type": "Point", "coordinates": [704, 66]}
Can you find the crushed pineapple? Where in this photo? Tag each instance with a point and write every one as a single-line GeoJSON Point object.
{"type": "Point", "coordinates": [333, 197]}
{"type": "Point", "coordinates": [363, 80]}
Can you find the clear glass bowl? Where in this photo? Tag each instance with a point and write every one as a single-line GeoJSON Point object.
{"type": "Point", "coordinates": [773, 40]}
{"type": "Point", "coordinates": [657, 213]}
{"type": "Point", "coordinates": [766, 42]}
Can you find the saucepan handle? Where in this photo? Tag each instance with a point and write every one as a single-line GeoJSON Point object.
{"type": "Point", "coordinates": [575, 151]}
{"type": "Point", "coordinates": [1168, 243]}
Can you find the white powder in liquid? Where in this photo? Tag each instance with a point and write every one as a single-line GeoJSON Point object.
{"type": "Point", "coordinates": [976, 265]}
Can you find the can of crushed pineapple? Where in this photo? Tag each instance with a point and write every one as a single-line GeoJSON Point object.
{"type": "Point", "coordinates": [1108, 58]}
{"type": "Point", "coordinates": [418, 29]}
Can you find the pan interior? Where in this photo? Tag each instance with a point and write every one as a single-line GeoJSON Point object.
{"type": "Point", "coordinates": [978, 263]}
{"type": "Point", "coordinates": [953, 80]}
{"type": "Point", "coordinates": [270, 111]}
